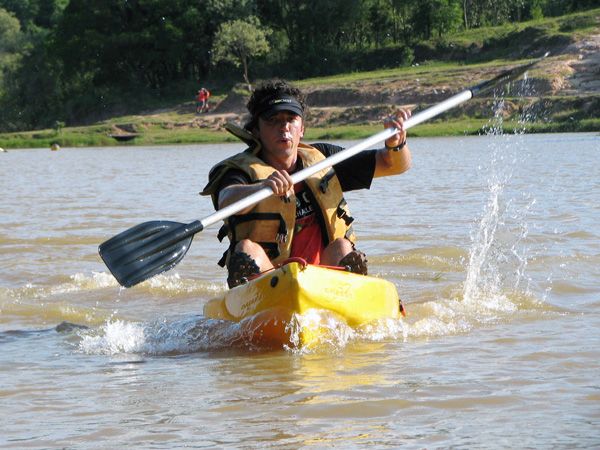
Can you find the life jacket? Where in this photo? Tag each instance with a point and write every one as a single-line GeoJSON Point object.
{"type": "Point", "coordinates": [271, 222]}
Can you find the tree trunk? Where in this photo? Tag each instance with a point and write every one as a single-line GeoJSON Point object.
{"type": "Point", "coordinates": [246, 79]}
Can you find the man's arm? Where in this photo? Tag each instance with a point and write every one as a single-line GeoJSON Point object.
{"type": "Point", "coordinates": [237, 186]}
{"type": "Point", "coordinates": [395, 158]}
{"type": "Point", "coordinates": [390, 162]}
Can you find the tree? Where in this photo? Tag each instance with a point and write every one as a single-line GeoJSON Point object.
{"type": "Point", "coordinates": [11, 41]}
{"type": "Point", "coordinates": [32, 13]}
{"type": "Point", "coordinates": [238, 41]}
{"type": "Point", "coordinates": [402, 13]}
{"type": "Point", "coordinates": [440, 16]}
{"type": "Point", "coordinates": [10, 33]}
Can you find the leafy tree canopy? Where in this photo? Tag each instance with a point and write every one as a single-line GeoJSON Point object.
{"type": "Point", "coordinates": [10, 33]}
{"type": "Point", "coordinates": [238, 42]}
{"type": "Point", "coordinates": [71, 60]}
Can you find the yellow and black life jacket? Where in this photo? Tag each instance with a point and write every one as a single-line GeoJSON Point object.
{"type": "Point", "coordinates": [271, 222]}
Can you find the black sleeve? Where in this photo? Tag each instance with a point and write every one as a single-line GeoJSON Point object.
{"type": "Point", "coordinates": [354, 173]}
{"type": "Point", "coordinates": [233, 176]}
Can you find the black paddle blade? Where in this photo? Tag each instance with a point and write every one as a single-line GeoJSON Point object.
{"type": "Point", "coordinates": [147, 250]}
{"type": "Point", "coordinates": [504, 77]}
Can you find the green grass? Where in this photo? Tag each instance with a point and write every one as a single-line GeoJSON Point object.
{"type": "Point", "coordinates": [456, 127]}
{"type": "Point", "coordinates": [571, 25]}
{"type": "Point", "coordinates": [553, 114]}
{"type": "Point", "coordinates": [436, 73]}
{"type": "Point", "coordinates": [97, 136]}
{"type": "Point", "coordinates": [499, 42]}
{"type": "Point", "coordinates": [68, 137]}
{"type": "Point", "coordinates": [452, 127]}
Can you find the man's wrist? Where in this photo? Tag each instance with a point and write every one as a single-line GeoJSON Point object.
{"type": "Point", "coordinates": [396, 148]}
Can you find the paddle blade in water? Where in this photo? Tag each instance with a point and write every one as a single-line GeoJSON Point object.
{"type": "Point", "coordinates": [147, 249]}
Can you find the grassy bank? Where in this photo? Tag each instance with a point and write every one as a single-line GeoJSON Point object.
{"type": "Point", "coordinates": [542, 114]}
{"type": "Point", "coordinates": [86, 137]}
{"type": "Point", "coordinates": [457, 127]}
{"type": "Point", "coordinates": [99, 136]}
{"type": "Point", "coordinates": [532, 115]}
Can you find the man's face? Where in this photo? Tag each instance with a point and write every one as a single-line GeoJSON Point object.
{"type": "Point", "coordinates": [280, 135]}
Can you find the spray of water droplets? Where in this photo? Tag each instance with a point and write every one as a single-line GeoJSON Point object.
{"type": "Point", "coordinates": [496, 271]}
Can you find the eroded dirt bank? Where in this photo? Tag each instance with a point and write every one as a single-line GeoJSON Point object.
{"type": "Point", "coordinates": [568, 79]}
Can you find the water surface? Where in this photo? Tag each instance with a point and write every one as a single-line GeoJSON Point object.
{"type": "Point", "coordinates": [492, 241]}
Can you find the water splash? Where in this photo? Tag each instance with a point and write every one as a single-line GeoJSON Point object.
{"type": "Point", "coordinates": [118, 337]}
{"type": "Point", "coordinates": [496, 271]}
{"type": "Point", "coordinates": [198, 334]}
{"type": "Point", "coordinates": [335, 334]}
{"type": "Point", "coordinates": [163, 337]}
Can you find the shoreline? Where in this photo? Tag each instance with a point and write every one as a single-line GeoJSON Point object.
{"type": "Point", "coordinates": [543, 114]}
{"type": "Point", "coordinates": [553, 114]}
{"type": "Point", "coordinates": [315, 136]}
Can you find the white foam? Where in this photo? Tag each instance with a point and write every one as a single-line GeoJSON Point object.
{"type": "Point", "coordinates": [160, 337]}
{"type": "Point", "coordinates": [116, 337]}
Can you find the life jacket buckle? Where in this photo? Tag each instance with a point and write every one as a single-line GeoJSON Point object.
{"type": "Point", "coordinates": [223, 231]}
{"type": "Point", "coordinates": [343, 214]}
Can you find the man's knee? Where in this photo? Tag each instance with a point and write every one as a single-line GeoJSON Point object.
{"type": "Point", "coordinates": [247, 246]}
{"type": "Point", "coordinates": [343, 245]}
{"type": "Point", "coordinates": [337, 254]}
{"type": "Point", "coordinates": [353, 260]}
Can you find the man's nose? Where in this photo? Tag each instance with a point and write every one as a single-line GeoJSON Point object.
{"type": "Point", "coordinates": [283, 124]}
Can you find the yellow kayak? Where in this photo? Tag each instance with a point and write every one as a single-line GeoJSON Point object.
{"type": "Point", "coordinates": [267, 304]}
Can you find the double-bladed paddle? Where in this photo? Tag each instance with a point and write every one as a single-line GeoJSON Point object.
{"type": "Point", "coordinates": [154, 247]}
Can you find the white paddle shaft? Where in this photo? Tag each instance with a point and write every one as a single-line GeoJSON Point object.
{"type": "Point", "coordinates": [303, 174]}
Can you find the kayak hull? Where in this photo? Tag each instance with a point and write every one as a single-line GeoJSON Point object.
{"type": "Point", "coordinates": [266, 305]}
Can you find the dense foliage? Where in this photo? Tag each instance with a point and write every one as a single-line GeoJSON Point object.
{"type": "Point", "coordinates": [76, 60]}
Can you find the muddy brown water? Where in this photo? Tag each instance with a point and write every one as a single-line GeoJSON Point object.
{"type": "Point", "coordinates": [493, 243]}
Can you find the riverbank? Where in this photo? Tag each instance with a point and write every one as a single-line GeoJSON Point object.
{"type": "Point", "coordinates": [546, 115]}
{"type": "Point", "coordinates": [561, 94]}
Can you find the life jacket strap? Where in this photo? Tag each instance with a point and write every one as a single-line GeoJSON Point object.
{"type": "Point", "coordinates": [324, 184]}
{"type": "Point", "coordinates": [342, 213]}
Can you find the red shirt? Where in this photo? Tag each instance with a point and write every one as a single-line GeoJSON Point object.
{"type": "Point", "coordinates": [203, 96]}
{"type": "Point", "coordinates": [308, 238]}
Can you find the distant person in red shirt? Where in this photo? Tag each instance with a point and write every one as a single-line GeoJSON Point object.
{"type": "Point", "coordinates": [202, 100]}
{"type": "Point", "coordinates": [310, 219]}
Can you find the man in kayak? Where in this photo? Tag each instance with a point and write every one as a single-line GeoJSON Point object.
{"type": "Point", "coordinates": [309, 220]}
